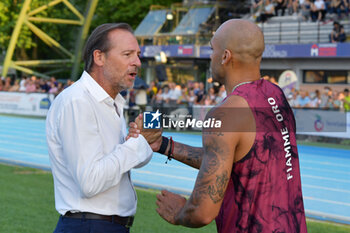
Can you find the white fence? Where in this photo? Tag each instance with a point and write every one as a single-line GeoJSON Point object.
{"type": "Point", "coordinates": [29, 104]}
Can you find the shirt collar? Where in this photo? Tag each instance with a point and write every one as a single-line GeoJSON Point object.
{"type": "Point", "coordinates": [98, 92]}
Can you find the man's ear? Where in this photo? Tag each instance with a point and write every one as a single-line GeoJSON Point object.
{"type": "Point", "coordinates": [226, 57]}
{"type": "Point", "coordinates": [99, 57]}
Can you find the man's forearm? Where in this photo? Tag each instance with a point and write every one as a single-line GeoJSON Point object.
{"type": "Point", "coordinates": [192, 156]}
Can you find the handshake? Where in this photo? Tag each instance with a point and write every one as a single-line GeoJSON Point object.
{"type": "Point", "coordinates": [153, 136]}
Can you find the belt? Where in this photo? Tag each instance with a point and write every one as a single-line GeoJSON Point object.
{"type": "Point", "coordinates": [124, 221]}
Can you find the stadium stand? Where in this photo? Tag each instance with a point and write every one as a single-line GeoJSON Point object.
{"type": "Point", "coordinates": [281, 31]}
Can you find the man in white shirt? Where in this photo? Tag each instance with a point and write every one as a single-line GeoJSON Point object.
{"type": "Point", "coordinates": [90, 156]}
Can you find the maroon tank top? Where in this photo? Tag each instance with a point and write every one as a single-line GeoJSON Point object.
{"type": "Point", "coordinates": [264, 192]}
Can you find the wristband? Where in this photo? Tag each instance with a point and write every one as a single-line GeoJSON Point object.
{"type": "Point", "coordinates": [171, 150]}
{"type": "Point", "coordinates": [164, 145]}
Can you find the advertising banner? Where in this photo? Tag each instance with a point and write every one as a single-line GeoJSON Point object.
{"type": "Point", "coordinates": [325, 123]}
{"type": "Point", "coordinates": [30, 104]}
{"type": "Point", "coordinates": [336, 50]}
{"type": "Point", "coordinates": [151, 51]}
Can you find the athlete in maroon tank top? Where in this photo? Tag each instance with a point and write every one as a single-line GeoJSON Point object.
{"type": "Point", "coordinates": [248, 178]}
{"type": "Point", "coordinates": [264, 191]}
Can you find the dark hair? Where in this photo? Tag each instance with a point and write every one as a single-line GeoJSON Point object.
{"type": "Point", "coordinates": [346, 90]}
{"type": "Point", "coordinates": [99, 40]}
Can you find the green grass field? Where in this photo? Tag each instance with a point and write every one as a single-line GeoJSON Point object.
{"type": "Point", "coordinates": [27, 206]}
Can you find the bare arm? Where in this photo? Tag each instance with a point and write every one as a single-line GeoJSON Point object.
{"type": "Point", "coordinates": [192, 156]}
{"type": "Point", "coordinates": [219, 153]}
{"type": "Point", "coordinates": [214, 174]}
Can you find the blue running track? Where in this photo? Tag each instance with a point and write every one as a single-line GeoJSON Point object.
{"type": "Point", "coordinates": [325, 172]}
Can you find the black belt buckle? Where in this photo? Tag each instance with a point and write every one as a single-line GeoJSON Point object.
{"type": "Point", "coordinates": [129, 222]}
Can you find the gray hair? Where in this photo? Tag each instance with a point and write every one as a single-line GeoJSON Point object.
{"type": "Point", "coordinates": [99, 40]}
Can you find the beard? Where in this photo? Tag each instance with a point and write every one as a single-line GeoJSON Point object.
{"type": "Point", "coordinates": [119, 81]}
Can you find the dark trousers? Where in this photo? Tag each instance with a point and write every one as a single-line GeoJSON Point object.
{"type": "Point", "coordinates": [74, 225]}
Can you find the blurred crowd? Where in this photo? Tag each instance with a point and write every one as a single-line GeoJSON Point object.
{"type": "Point", "coordinates": [33, 84]}
{"type": "Point", "coordinates": [324, 99]}
{"type": "Point", "coordinates": [172, 95]}
{"type": "Point", "coordinates": [309, 10]}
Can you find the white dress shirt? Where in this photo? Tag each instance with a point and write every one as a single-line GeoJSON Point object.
{"type": "Point", "coordinates": [90, 159]}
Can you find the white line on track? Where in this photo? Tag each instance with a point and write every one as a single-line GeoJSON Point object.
{"type": "Point", "coordinates": [327, 216]}
{"type": "Point", "coordinates": [36, 146]}
{"type": "Point", "coordinates": [21, 138]}
{"type": "Point", "coordinates": [39, 129]}
{"type": "Point", "coordinates": [173, 166]}
{"type": "Point", "coordinates": [23, 132]}
{"type": "Point", "coordinates": [324, 170]}
{"type": "Point", "coordinates": [22, 163]}
{"type": "Point", "coordinates": [326, 201]}
{"type": "Point", "coordinates": [325, 178]}
{"type": "Point", "coordinates": [325, 188]}
{"type": "Point", "coordinates": [303, 161]}
{"type": "Point", "coordinates": [25, 153]}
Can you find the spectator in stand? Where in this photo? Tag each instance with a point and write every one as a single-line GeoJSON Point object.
{"type": "Point", "coordinates": [327, 94]}
{"type": "Point", "coordinates": [212, 95]}
{"type": "Point", "coordinates": [182, 100]}
{"type": "Point", "coordinates": [30, 85]}
{"type": "Point", "coordinates": [196, 87]}
{"type": "Point", "coordinates": [315, 100]}
{"type": "Point", "coordinates": [151, 91]}
{"type": "Point", "coordinates": [132, 97]}
{"type": "Point", "coordinates": [53, 80]}
{"type": "Point", "coordinates": [60, 87]}
{"type": "Point", "coordinates": [53, 88]}
{"type": "Point", "coordinates": [221, 94]}
{"type": "Point", "coordinates": [337, 34]}
{"type": "Point", "coordinates": [157, 99]}
{"type": "Point", "coordinates": [22, 84]}
{"type": "Point", "coordinates": [257, 6]}
{"type": "Point", "coordinates": [141, 98]}
{"type": "Point", "coordinates": [68, 83]}
{"type": "Point", "coordinates": [165, 95]}
{"type": "Point", "coordinates": [333, 102]}
{"type": "Point", "coordinates": [318, 10]}
{"type": "Point", "coordinates": [267, 12]}
{"type": "Point", "coordinates": [200, 93]}
{"type": "Point", "coordinates": [292, 6]}
{"type": "Point", "coordinates": [207, 100]}
{"type": "Point", "coordinates": [1, 84]}
{"type": "Point", "coordinates": [280, 5]}
{"type": "Point", "coordinates": [7, 84]}
{"type": "Point", "coordinates": [174, 93]}
{"type": "Point", "coordinates": [15, 86]}
{"type": "Point", "coordinates": [191, 98]}
{"type": "Point", "coordinates": [294, 102]}
{"type": "Point", "coordinates": [303, 100]}
{"type": "Point", "coordinates": [346, 100]}
{"type": "Point", "coordinates": [304, 9]}
{"type": "Point", "coordinates": [44, 87]}
{"type": "Point", "coordinates": [338, 7]}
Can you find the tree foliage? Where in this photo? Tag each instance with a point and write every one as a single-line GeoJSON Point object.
{"type": "Point", "coordinates": [29, 46]}
{"type": "Point", "coordinates": [128, 11]}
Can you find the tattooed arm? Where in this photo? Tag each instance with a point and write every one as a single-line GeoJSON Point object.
{"type": "Point", "coordinates": [219, 153]}
{"type": "Point", "coordinates": [186, 154]}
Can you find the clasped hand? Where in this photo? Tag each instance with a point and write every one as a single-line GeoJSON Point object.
{"type": "Point", "coordinates": [153, 136]}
